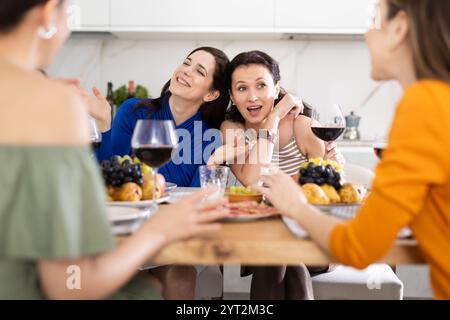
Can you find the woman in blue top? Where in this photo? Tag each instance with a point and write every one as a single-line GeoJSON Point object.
{"type": "Point", "coordinates": [195, 99]}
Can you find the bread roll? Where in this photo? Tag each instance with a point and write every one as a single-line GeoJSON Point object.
{"type": "Point", "coordinates": [315, 194]}
{"type": "Point", "coordinates": [349, 193]}
{"type": "Point", "coordinates": [331, 193]}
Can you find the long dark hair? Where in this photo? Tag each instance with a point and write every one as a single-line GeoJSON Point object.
{"type": "Point", "coordinates": [429, 35]}
{"type": "Point", "coordinates": [262, 59]}
{"type": "Point", "coordinates": [12, 12]}
{"type": "Point", "coordinates": [213, 112]}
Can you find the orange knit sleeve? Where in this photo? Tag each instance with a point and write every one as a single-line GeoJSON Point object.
{"type": "Point", "coordinates": [414, 162]}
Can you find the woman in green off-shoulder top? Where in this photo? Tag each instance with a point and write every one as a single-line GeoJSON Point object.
{"type": "Point", "coordinates": [55, 239]}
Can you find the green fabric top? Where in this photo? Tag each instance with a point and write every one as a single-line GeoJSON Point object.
{"type": "Point", "coordinates": [52, 205]}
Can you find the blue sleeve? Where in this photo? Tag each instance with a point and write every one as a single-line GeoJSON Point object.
{"type": "Point", "coordinates": [123, 127]}
{"type": "Point", "coordinates": [195, 183]}
{"type": "Point", "coordinates": [104, 152]}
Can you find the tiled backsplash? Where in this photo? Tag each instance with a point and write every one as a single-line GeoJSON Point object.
{"type": "Point", "coordinates": [320, 71]}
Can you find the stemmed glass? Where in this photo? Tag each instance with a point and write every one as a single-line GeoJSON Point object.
{"type": "Point", "coordinates": [95, 135]}
{"type": "Point", "coordinates": [379, 146]}
{"type": "Point", "coordinates": [153, 142]}
{"type": "Point", "coordinates": [327, 123]}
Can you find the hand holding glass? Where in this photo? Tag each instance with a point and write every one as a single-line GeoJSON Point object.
{"type": "Point", "coordinates": [95, 135]}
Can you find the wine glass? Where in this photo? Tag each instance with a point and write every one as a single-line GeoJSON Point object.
{"type": "Point", "coordinates": [153, 142]}
{"type": "Point", "coordinates": [379, 146]}
{"type": "Point", "coordinates": [95, 135]}
{"type": "Point", "coordinates": [327, 123]}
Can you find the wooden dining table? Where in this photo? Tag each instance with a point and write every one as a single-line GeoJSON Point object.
{"type": "Point", "coordinates": [265, 242]}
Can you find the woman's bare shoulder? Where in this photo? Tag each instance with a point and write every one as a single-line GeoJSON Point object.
{"type": "Point", "coordinates": [68, 110]}
{"type": "Point", "coordinates": [49, 113]}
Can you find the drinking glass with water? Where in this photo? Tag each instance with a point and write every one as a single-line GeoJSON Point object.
{"type": "Point", "coordinates": [214, 176]}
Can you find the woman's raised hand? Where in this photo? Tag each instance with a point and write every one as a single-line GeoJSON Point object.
{"type": "Point", "coordinates": [97, 105]}
{"type": "Point", "coordinates": [231, 152]}
{"type": "Point", "coordinates": [100, 110]}
{"type": "Point", "coordinates": [333, 153]}
{"type": "Point", "coordinates": [188, 217]}
{"type": "Point", "coordinates": [289, 105]}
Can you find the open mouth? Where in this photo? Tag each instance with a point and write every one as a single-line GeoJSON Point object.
{"type": "Point", "coordinates": [254, 110]}
{"type": "Point", "coordinates": [182, 82]}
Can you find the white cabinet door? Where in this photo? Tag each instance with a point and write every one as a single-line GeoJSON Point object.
{"type": "Point", "coordinates": [322, 16]}
{"type": "Point", "coordinates": [192, 15]}
{"type": "Point", "coordinates": [91, 14]}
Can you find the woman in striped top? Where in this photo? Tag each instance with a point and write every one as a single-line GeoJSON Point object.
{"type": "Point", "coordinates": [277, 124]}
{"type": "Point", "coordinates": [262, 114]}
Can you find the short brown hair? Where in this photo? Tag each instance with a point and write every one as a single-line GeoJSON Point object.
{"type": "Point", "coordinates": [429, 35]}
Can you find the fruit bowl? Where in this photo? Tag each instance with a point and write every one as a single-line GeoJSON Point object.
{"type": "Point", "coordinates": [323, 184]}
{"type": "Point", "coordinates": [129, 180]}
{"type": "Point", "coordinates": [239, 194]}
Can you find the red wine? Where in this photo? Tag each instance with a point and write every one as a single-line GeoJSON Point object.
{"type": "Point", "coordinates": [327, 133]}
{"type": "Point", "coordinates": [378, 148]}
{"type": "Point", "coordinates": [154, 156]}
{"type": "Point", "coordinates": [378, 152]}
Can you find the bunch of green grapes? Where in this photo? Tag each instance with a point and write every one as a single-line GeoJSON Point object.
{"type": "Point", "coordinates": [241, 190]}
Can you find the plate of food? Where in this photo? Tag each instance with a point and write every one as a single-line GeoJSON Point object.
{"type": "Point", "coordinates": [240, 193]}
{"type": "Point", "coordinates": [249, 211]}
{"type": "Point", "coordinates": [121, 214]}
{"type": "Point", "coordinates": [139, 203]}
{"type": "Point", "coordinates": [129, 183]}
{"type": "Point", "coordinates": [170, 186]}
{"type": "Point", "coordinates": [324, 187]}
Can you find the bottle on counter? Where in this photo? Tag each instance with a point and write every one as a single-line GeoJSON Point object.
{"type": "Point", "coordinates": [110, 99]}
{"type": "Point", "coordinates": [130, 89]}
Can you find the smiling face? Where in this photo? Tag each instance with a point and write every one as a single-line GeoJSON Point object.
{"type": "Point", "coordinates": [193, 79]}
{"type": "Point", "coordinates": [253, 91]}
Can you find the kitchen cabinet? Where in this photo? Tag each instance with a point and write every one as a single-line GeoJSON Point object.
{"type": "Point", "coordinates": [322, 16]}
{"type": "Point", "coordinates": [270, 17]}
{"type": "Point", "coordinates": [90, 15]}
{"type": "Point", "coordinates": [192, 16]}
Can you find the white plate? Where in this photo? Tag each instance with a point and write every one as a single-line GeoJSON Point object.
{"type": "Point", "coordinates": [176, 195]}
{"type": "Point", "coordinates": [341, 210]}
{"type": "Point", "coordinates": [120, 214]}
{"type": "Point", "coordinates": [170, 186]}
{"type": "Point", "coordinates": [248, 217]}
{"type": "Point", "coordinates": [137, 204]}
{"type": "Point", "coordinates": [126, 227]}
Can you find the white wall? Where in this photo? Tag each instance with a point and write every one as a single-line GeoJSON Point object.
{"type": "Point", "coordinates": [321, 71]}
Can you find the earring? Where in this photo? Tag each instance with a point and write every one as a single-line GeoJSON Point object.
{"type": "Point", "coordinates": [47, 34]}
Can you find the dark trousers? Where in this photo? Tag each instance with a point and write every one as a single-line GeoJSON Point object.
{"type": "Point", "coordinates": [282, 282]}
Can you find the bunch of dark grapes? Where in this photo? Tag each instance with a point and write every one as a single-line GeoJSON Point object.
{"type": "Point", "coordinates": [118, 171]}
{"type": "Point", "coordinates": [320, 175]}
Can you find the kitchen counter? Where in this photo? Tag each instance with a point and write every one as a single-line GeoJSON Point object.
{"type": "Point", "coordinates": [355, 143]}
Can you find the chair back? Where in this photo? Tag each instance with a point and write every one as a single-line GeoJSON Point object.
{"type": "Point", "coordinates": [358, 174]}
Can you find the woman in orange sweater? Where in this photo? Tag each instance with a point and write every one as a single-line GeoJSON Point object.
{"type": "Point", "coordinates": [412, 184]}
